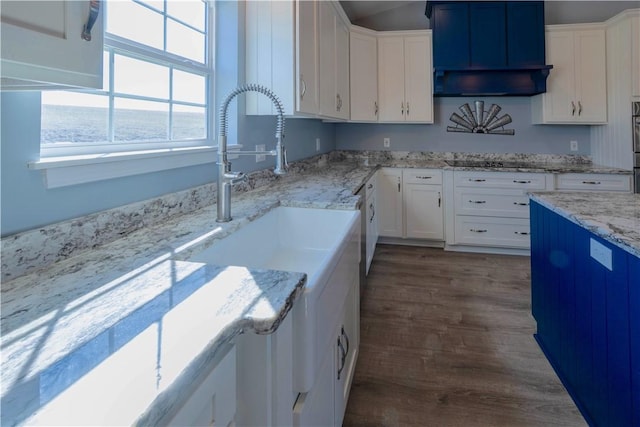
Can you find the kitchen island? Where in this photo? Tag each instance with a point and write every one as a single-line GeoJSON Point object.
{"type": "Point", "coordinates": [585, 292]}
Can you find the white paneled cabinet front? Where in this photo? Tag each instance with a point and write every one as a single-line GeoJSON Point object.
{"type": "Point", "coordinates": [635, 56]}
{"type": "Point", "coordinates": [576, 86]}
{"type": "Point", "coordinates": [363, 75]}
{"type": "Point", "coordinates": [214, 400]}
{"type": "Point", "coordinates": [42, 47]}
{"type": "Point", "coordinates": [405, 91]}
{"type": "Point", "coordinates": [334, 61]}
{"type": "Point", "coordinates": [389, 194]}
{"type": "Point", "coordinates": [423, 204]}
{"type": "Point", "coordinates": [282, 54]}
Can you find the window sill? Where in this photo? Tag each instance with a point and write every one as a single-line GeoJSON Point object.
{"type": "Point", "coordinates": [80, 169]}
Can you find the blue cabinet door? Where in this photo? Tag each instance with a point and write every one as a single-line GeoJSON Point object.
{"type": "Point", "coordinates": [525, 40]}
{"type": "Point", "coordinates": [488, 41]}
{"type": "Point", "coordinates": [450, 25]}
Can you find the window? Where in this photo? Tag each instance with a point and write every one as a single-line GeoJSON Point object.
{"type": "Point", "coordinates": [157, 90]}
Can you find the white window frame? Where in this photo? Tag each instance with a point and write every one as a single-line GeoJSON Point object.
{"type": "Point", "coordinates": [71, 164]}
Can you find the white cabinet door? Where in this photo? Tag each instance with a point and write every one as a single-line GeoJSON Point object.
{"type": "Point", "coordinates": [390, 209]}
{"type": "Point", "coordinates": [391, 78]}
{"type": "Point", "coordinates": [423, 211]}
{"type": "Point", "coordinates": [417, 77]}
{"type": "Point", "coordinates": [342, 69]}
{"type": "Point", "coordinates": [348, 342]}
{"type": "Point", "coordinates": [214, 401]}
{"type": "Point", "coordinates": [576, 86]}
{"type": "Point", "coordinates": [590, 77]}
{"type": "Point", "coordinates": [42, 47]}
{"type": "Point", "coordinates": [560, 83]}
{"type": "Point", "coordinates": [307, 49]}
{"type": "Point", "coordinates": [364, 77]}
{"type": "Point", "coordinates": [635, 56]}
{"type": "Point", "coordinates": [404, 78]}
{"type": "Point", "coordinates": [328, 95]}
{"type": "Point", "coordinates": [316, 408]}
{"type": "Point", "coordinates": [281, 53]}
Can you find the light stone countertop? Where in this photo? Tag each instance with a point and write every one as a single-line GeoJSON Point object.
{"type": "Point", "coordinates": [613, 216]}
{"type": "Point", "coordinates": [62, 319]}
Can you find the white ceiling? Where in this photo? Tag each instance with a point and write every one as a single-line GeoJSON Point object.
{"type": "Point", "coordinates": [407, 15]}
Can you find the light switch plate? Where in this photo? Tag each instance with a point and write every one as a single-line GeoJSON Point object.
{"type": "Point", "coordinates": [600, 253]}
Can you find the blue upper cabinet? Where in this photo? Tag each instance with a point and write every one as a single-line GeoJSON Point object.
{"type": "Point", "coordinates": [451, 39]}
{"type": "Point", "coordinates": [526, 41]}
{"type": "Point", "coordinates": [488, 47]}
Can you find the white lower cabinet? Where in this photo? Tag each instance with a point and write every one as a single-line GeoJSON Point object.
{"type": "Point", "coordinates": [325, 403]}
{"type": "Point", "coordinates": [372, 218]}
{"type": "Point", "coordinates": [214, 400]}
{"type": "Point", "coordinates": [593, 182]}
{"type": "Point", "coordinates": [410, 204]}
{"type": "Point", "coordinates": [390, 212]}
{"type": "Point", "coordinates": [491, 209]}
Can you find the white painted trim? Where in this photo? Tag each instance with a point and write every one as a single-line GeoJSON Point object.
{"type": "Point", "coordinates": [72, 170]}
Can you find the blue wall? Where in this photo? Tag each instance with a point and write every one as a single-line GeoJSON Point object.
{"type": "Point", "coordinates": [528, 138]}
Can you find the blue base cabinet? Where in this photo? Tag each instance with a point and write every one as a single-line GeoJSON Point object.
{"type": "Point", "coordinates": [587, 311]}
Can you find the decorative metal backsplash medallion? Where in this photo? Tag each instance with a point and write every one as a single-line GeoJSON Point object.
{"type": "Point", "coordinates": [479, 121]}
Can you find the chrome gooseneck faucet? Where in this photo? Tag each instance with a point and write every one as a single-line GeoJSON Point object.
{"type": "Point", "coordinates": [226, 178]}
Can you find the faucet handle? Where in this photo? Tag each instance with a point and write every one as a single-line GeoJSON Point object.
{"type": "Point", "coordinates": [235, 177]}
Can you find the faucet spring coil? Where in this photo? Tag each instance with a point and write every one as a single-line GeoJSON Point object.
{"type": "Point", "coordinates": [252, 87]}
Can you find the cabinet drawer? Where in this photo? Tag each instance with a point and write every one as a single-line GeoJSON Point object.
{"type": "Point", "coordinates": [489, 231]}
{"type": "Point", "coordinates": [523, 181]}
{"type": "Point", "coordinates": [422, 176]}
{"type": "Point", "coordinates": [593, 182]}
{"type": "Point", "coordinates": [490, 202]}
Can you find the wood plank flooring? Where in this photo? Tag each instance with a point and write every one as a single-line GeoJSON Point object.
{"type": "Point", "coordinates": [447, 340]}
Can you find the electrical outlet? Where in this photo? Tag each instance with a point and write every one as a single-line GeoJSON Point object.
{"type": "Point", "coordinates": [573, 145]}
{"type": "Point", "coordinates": [260, 157]}
{"type": "Point", "coordinates": [387, 142]}
{"type": "Point", "coordinates": [317, 144]}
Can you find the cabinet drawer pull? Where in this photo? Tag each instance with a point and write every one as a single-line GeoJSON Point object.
{"type": "Point", "coordinates": [424, 177]}
{"type": "Point", "coordinates": [521, 233]}
{"type": "Point", "coordinates": [407, 108]}
{"type": "Point", "coordinates": [477, 180]}
{"type": "Point", "coordinates": [579, 107]}
{"type": "Point", "coordinates": [304, 87]}
{"type": "Point", "coordinates": [94, 10]}
{"type": "Point", "coordinates": [592, 182]}
{"type": "Point", "coordinates": [573, 108]}
{"type": "Point", "coordinates": [402, 108]}
{"type": "Point", "coordinates": [375, 106]}
{"type": "Point", "coordinates": [516, 181]}
{"type": "Point", "coordinates": [477, 201]}
{"type": "Point", "coordinates": [475, 230]}
{"type": "Point", "coordinates": [521, 204]}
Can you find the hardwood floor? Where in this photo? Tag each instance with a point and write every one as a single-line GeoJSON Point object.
{"type": "Point", "coordinates": [447, 340]}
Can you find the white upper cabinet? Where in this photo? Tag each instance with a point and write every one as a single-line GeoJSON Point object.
{"type": "Point", "coordinates": [635, 55]}
{"type": "Point", "coordinates": [282, 54]}
{"type": "Point", "coordinates": [577, 85]}
{"type": "Point", "coordinates": [364, 75]}
{"type": "Point", "coordinates": [405, 91]}
{"type": "Point", "coordinates": [334, 61]}
{"type": "Point", "coordinates": [42, 47]}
